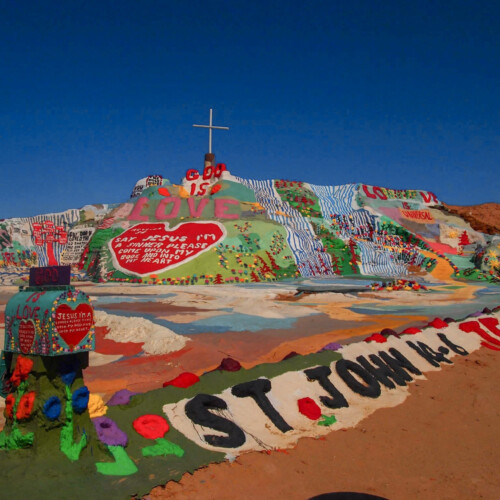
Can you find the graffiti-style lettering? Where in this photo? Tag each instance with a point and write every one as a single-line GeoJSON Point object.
{"type": "Point", "coordinates": [423, 216]}
{"type": "Point", "coordinates": [210, 174]}
{"type": "Point", "coordinates": [154, 247]}
{"type": "Point", "coordinates": [197, 211]}
{"type": "Point", "coordinates": [136, 212]}
{"type": "Point", "coordinates": [192, 174]}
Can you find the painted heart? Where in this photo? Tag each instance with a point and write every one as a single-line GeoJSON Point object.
{"type": "Point", "coordinates": [73, 325]}
{"type": "Point", "coordinates": [26, 335]}
{"type": "Point", "coordinates": [153, 248]}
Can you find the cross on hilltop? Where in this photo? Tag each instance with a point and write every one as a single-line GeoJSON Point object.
{"type": "Point", "coordinates": [210, 128]}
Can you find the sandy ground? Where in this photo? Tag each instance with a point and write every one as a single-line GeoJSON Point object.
{"type": "Point", "coordinates": [441, 443]}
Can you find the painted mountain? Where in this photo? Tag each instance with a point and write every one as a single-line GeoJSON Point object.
{"type": "Point", "coordinates": [216, 228]}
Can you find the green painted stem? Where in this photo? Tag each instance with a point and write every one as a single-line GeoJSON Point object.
{"type": "Point", "coordinates": [327, 421]}
{"type": "Point", "coordinates": [162, 448]}
{"type": "Point", "coordinates": [71, 449]}
{"type": "Point", "coordinates": [122, 466]}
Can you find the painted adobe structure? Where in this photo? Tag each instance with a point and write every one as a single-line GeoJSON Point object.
{"type": "Point", "coordinates": [216, 228]}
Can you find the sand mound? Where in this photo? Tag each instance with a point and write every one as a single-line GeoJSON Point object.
{"type": "Point", "coordinates": [156, 339]}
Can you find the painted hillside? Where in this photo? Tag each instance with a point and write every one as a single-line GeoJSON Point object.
{"type": "Point", "coordinates": [216, 228]}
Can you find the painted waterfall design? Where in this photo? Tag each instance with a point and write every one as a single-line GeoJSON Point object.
{"type": "Point", "coordinates": [308, 252]}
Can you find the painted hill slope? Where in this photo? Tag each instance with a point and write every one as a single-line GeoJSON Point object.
{"type": "Point", "coordinates": [216, 228]}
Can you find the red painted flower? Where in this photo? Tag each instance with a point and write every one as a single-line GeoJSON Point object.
{"type": "Point", "coordinates": [151, 426]}
{"type": "Point", "coordinates": [10, 400]}
{"type": "Point", "coordinates": [309, 408]}
{"type": "Point", "coordinates": [22, 370]}
{"type": "Point", "coordinates": [25, 406]}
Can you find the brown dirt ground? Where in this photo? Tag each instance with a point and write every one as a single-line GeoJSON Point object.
{"type": "Point", "coordinates": [484, 218]}
{"type": "Point", "coordinates": [441, 443]}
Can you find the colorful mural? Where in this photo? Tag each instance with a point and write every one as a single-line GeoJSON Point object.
{"type": "Point", "coordinates": [255, 230]}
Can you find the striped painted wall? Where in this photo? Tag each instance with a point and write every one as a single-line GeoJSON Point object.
{"type": "Point", "coordinates": [336, 199]}
{"type": "Point", "coordinates": [308, 252]}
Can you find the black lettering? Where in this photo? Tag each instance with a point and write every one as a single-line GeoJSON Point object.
{"type": "Point", "coordinates": [344, 368]}
{"type": "Point", "coordinates": [382, 372]}
{"type": "Point", "coordinates": [454, 347]}
{"type": "Point", "coordinates": [431, 356]}
{"type": "Point", "coordinates": [399, 363]}
{"type": "Point", "coordinates": [320, 373]}
{"type": "Point", "coordinates": [197, 410]}
{"type": "Point", "coordinates": [257, 390]}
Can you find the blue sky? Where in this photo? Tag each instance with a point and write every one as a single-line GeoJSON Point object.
{"type": "Point", "coordinates": [97, 94]}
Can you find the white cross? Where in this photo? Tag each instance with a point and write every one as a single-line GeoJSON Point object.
{"type": "Point", "coordinates": [210, 127]}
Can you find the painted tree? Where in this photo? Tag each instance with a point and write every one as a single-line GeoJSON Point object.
{"type": "Point", "coordinates": [273, 261]}
{"type": "Point", "coordinates": [335, 263]}
{"type": "Point", "coordinates": [354, 257]}
{"type": "Point", "coordinates": [464, 239]}
{"type": "Point", "coordinates": [218, 279]}
{"type": "Point", "coordinates": [264, 268]}
{"type": "Point", "coordinates": [254, 277]}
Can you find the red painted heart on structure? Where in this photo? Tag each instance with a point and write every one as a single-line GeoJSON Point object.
{"type": "Point", "coordinates": [73, 325]}
{"type": "Point", "coordinates": [26, 335]}
{"type": "Point", "coordinates": [152, 248]}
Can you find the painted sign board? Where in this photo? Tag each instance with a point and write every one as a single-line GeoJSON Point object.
{"type": "Point", "coordinates": [50, 276]}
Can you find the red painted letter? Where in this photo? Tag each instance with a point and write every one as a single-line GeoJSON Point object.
{"type": "Point", "coordinates": [192, 174]}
